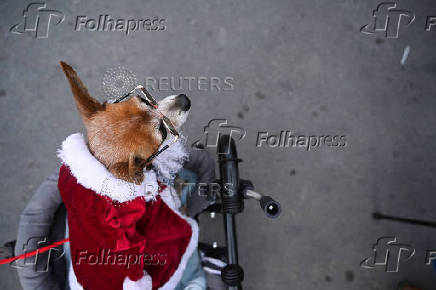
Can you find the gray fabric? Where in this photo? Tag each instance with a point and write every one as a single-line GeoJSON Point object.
{"type": "Point", "coordinates": [214, 282]}
{"type": "Point", "coordinates": [202, 164]}
{"type": "Point", "coordinates": [44, 218]}
{"type": "Point", "coordinates": [194, 278]}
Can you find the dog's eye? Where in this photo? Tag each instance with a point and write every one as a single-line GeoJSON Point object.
{"type": "Point", "coordinates": [163, 130]}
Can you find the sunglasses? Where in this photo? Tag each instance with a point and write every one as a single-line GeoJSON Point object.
{"type": "Point", "coordinates": [147, 98]}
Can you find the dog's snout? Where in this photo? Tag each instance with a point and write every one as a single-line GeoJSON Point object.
{"type": "Point", "coordinates": [183, 102]}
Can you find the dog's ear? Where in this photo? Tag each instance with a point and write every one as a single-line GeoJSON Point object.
{"type": "Point", "coordinates": [86, 104]}
{"type": "Point", "coordinates": [131, 171]}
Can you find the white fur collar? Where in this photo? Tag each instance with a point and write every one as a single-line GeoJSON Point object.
{"type": "Point", "coordinates": [93, 175]}
{"type": "Point", "coordinates": [169, 162]}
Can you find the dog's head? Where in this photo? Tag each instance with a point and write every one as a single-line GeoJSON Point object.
{"type": "Point", "coordinates": [123, 135]}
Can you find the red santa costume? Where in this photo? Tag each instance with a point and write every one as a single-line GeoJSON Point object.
{"type": "Point", "coordinates": [123, 235]}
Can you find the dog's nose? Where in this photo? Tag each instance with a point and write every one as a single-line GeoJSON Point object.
{"type": "Point", "coordinates": [183, 102]}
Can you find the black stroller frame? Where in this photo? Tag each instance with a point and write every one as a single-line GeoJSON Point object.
{"type": "Point", "coordinates": [232, 203]}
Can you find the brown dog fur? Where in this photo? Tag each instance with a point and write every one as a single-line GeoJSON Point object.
{"type": "Point", "coordinates": [121, 136]}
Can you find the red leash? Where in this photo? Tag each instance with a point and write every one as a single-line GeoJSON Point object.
{"type": "Point", "coordinates": [33, 253]}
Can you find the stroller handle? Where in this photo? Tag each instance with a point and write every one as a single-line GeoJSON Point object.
{"type": "Point", "coordinates": [270, 207]}
{"type": "Point", "coordinates": [232, 203]}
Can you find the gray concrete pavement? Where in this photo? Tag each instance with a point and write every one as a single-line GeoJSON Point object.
{"type": "Point", "coordinates": [302, 66]}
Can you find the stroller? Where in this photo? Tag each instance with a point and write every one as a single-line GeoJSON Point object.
{"type": "Point", "coordinates": [43, 222]}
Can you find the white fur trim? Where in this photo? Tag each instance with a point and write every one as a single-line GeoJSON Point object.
{"type": "Point", "coordinates": [93, 175]}
{"type": "Point", "coordinates": [192, 246]}
{"type": "Point", "coordinates": [170, 161]}
{"type": "Point", "coordinates": [72, 279]}
{"type": "Point", "coordinates": [144, 283]}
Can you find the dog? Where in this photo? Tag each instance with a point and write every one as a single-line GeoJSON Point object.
{"type": "Point", "coordinates": [111, 210]}
{"type": "Point", "coordinates": [123, 135]}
